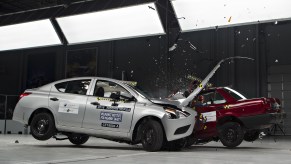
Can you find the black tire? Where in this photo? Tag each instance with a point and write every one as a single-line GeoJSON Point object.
{"type": "Point", "coordinates": [152, 136]}
{"type": "Point", "coordinates": [175, 145]}
{"type": "Point", "coordinates": [231, 134]}
{"type": "Point", "coordinates": [42, 126]}
{"type": "Point", "coordinates": [78, 139]}
{"type": "Point", "coordinates": [190, 140]}
{"type": "Point", "coordinates": [252, 135]}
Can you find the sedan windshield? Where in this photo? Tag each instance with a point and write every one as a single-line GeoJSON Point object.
{"type": "Point", "coordinates": [139, 92]}
{"type": "Point", "coordinates": [235, 94]}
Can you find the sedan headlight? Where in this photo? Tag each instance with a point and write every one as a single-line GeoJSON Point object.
{"type": "Point", "coordinates": [175, 114]}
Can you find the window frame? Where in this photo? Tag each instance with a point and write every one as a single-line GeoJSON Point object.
{"type": "Point", "coordinates": [109, 81]}
{"type": "Point", "coordinates": [69, 81]}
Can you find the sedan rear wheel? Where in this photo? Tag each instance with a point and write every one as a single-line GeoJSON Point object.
{"type": "Point", "coordinates": [78, 139]}
{"type": "Point", "coordinates": [152, 136]}
{"type": "Point", "coordinates": [42, 126]}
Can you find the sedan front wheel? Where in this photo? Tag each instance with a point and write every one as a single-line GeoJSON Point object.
{"type": "Point", "coordinates": [152, 136]}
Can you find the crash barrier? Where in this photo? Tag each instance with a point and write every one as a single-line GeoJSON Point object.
{"type": "Point", "coordinates": [7, 125]}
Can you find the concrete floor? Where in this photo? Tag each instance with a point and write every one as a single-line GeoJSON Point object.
{"type": "Point", "coordinates": [31, 151]}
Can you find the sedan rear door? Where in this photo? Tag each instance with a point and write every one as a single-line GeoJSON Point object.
{"type": "Point", "coordinates": [69, 99]}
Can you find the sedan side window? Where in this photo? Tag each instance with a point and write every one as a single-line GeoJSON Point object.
{"type": "Point", "coordinates": [61, 87]}
{"type": "Point", "coordinates": [74, 87]}
{"type": "Point", "coordinates": [112, 90]}
{"type": "Point", "coordinates": [219, 99]}
{"type": "Point", "coordinates": [209, 98]}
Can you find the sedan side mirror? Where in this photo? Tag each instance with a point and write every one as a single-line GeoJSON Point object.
{"type": "Point", "coordinates": [115, 96]}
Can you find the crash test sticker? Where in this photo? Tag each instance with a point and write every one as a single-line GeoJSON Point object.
{"type": "Point", "coordinates": [108, 116]}
{"type": "Point", "coordinates": [108, 125]}
{"type": "Point", "coordinates": [209, 116]}
{"type": "Point", "coordinates": [71, 108]}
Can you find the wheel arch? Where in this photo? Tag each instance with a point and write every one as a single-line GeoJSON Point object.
{"type": "Point", "coordinates": [229, 118]}
{"type": "Point", "coordinates": [136, 134]}
{"type": "Point", "coordinates": [40, 110]}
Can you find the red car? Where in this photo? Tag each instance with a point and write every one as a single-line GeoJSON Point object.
{"type": "Point", "coordinates": [231, 118]}
{"type": "Point", "coordinates": [226, 115]}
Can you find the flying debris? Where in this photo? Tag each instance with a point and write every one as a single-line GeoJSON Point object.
{"type": "Point", "coordinates": [229, 20]}
{"type": "Point", "coordinates": [173, 47]}
{"type": "Point", "coordinates": [192, 46]}
{"type": "Point", "coordinates": [150, 7]}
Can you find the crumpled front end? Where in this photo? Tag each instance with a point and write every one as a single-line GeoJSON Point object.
{"type": "Point", "coordinates": [180, 127]}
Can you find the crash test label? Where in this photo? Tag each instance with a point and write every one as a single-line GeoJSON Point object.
{"type": "Point", "coordinates": [108, 116]}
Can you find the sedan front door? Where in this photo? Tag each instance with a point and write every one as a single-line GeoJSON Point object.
{"type": "Point", "coordinates": [110, 108]}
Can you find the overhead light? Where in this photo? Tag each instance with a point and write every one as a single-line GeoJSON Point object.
{"type": "Point", "coordinates": [208, 14]}
{"type": "Point", "coordinates": [27, 35]}
{"type": "Point", "coordinates": [127, 22]}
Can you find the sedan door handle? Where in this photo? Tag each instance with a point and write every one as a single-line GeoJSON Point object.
{"type": "Point", "coordinates": [95, 103]}
{"type": "Point", "coordinates": [54, 99]}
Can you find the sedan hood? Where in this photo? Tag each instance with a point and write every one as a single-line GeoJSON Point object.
{"type": "Point", "coordinates": [166, 102]}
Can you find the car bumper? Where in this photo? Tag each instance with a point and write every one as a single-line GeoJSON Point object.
{"type": "Point", "coordinates": [263, 121]}
{"type": "Point", "coordinates": [179, 128]}
{"type": "Point", "coordinates": [21, 114]}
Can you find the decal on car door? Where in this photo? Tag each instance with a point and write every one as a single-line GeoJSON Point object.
{"type": "Point", "coordinates": [123, 109]}
{"type": "Point", "coordinates": [68, 108]}
{"type": "Point", "coordinates": [108, 116]}
{"type": "Point", "coordinates": [108, 125]}
{"type": "Point", "coordinates": [209, 116]}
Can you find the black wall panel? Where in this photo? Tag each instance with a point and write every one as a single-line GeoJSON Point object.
{"type": "Point", "coordinates": [142, 60]}
{"type": "Point", "coordinates": [10, 72]}
{"type": "Point", "coordinates": [147, 60]}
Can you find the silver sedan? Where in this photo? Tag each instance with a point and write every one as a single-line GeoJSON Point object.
{"type": "Point", "coordinates": [104, 108]}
